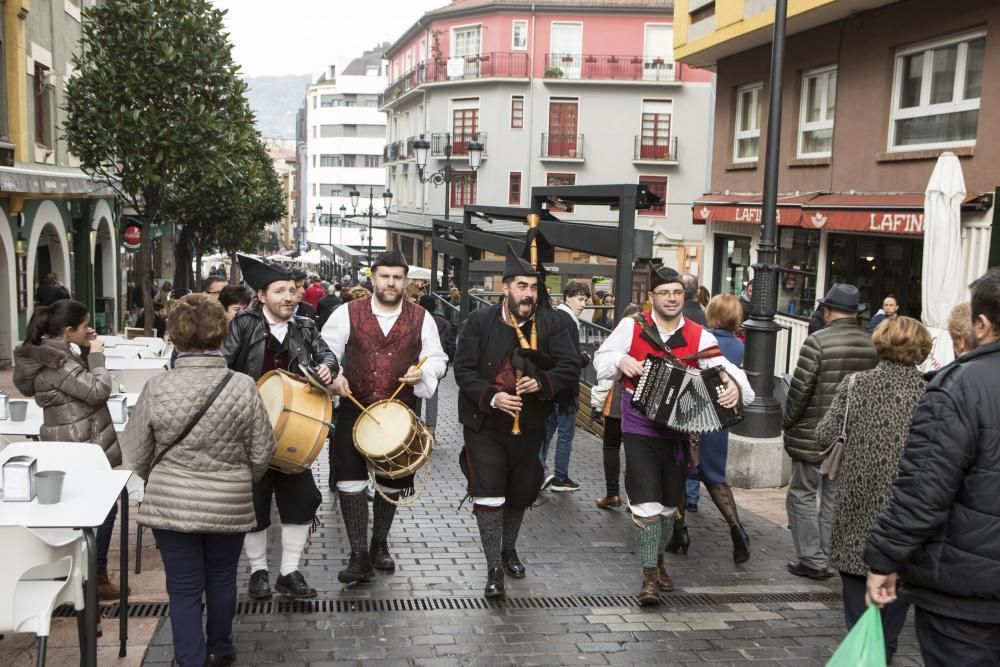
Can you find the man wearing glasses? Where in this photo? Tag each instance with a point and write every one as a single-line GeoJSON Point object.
{"type": "Point", "coordinates": [213, 285]}
{"type": "Point", "coordinates": [657, 456]}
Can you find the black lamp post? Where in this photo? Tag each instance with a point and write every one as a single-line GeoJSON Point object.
{"type": "Point", "coordinates": [386, 200]}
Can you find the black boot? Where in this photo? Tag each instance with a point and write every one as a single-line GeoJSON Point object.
{"type": "Point", "coordinates": [220, 660]}
{"type": "Point", "coordinates": [512, 564]}
{"type": "Point", "coordinates": [380, 556]}
{"type": "Point", "coordinates": [722, 496]}
{"type": "Point", "coordinates": [260, 586]}
{"type": "Point", "coordinates": [679, 541]}
{"type": "Point", "coordinates": [494, 583]}
{"type": "Point", "coordinates": [294, 585]}
{"type": "Point", "coordinates": [359, 568]}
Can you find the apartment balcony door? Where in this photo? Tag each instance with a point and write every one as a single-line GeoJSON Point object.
{"type": "Point", "coordinates": [567, 49]}
{"type": "Point", "coordinates": [562, 137]}
{"type": "Point", "coordinates": [657, 62]}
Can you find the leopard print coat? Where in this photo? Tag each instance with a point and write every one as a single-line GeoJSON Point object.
{"type": "Point", "coordinates": [881, 403]}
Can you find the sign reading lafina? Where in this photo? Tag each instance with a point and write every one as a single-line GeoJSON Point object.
{"type": "Point", "coordinates": [131, 233]}
{"type": "Point", "coordinates": [898, 223]}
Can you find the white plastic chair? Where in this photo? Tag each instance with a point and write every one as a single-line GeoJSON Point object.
{"type": "Point", "coordinates": [26, 605]}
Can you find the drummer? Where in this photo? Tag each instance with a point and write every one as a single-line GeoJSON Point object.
{"type": "Point", "coordinates": [263, 337]}
{"type": "Point", "coordinates": [380, 339]}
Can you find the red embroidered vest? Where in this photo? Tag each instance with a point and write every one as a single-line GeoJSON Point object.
{"type": "Point", "coordinates": [275, 353]}
{"type": "Point", "coordinates": [373, 362]}
{"type": "Point", "coordinates": [641, 348]}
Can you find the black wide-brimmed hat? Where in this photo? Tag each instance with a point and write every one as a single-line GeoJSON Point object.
{"type": "Point", "coordinates": [843, 297]}
{"type": "Point", "coordinates": [390, 258]}
{"type": "Point", "coordinates": [259, 275]}
{"type": "Point", "coordinates": [298, 274]}
{"type": "Point", "coordinates": [515, 265]}
{"type": "Point", "coordinates": [663, 276]}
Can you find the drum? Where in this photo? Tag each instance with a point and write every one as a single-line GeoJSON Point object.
{"type": "Point", "coordinates": [398, 444]}
{"type": "Point", "coordinates": [300, 415]}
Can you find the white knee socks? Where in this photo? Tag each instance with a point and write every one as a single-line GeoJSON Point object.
{"type": "Point", "coordinates": [255, 545]}
{"type": "Point", "coordinates": [293, 542]}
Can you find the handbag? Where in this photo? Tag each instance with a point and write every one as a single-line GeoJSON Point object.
{"type": "Point", "coordinates": [834, 454]}
{"type": "Point", "coordinates": [193, 421]}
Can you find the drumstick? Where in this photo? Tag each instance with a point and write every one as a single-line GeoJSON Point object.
{"type": "Point", "coordinates": [403, 384]}
{"type": "Point", "coordinates": [363, 408]}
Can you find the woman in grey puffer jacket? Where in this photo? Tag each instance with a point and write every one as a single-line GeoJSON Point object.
{"type": "Point", "coordinates": [61, 364]}
{"type": "Point", "coordinates": [198, 497]}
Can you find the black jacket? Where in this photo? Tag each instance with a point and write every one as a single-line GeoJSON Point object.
{"type": "Point", "coordinates": [482, 346]}
{"type": "Point", "coordinates": [327, 305]}
{"type": "Point", "coordinates": [694, 312]}
{"type": "Point", "coordinates": [569, 400]}
{"type": "Point", "coordinates": [244, 346]}
{"type": "Point", "coordinates": [48, 293]}
{"type": "Point", "coordinates": [306, 310]}
{"type": "Point", "coordinates": [941, 530]}
{"type": "Point", "coordinates": [446, 334]}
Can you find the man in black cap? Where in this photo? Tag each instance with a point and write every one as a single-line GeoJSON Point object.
{"type": "Point", "coordinates": [826, 357]}
{"type": "Point", "coordinates": [381, 340]}
{"type": "Point", "coordinates": [302, 307]}
{"type": "Point", "coordinates": [499, 381]}
{"type": "Point", "coordinates": [265, 337]}
{"type": "Point", "coordinates": [656, 456]}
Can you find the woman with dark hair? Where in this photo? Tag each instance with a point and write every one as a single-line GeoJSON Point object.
{"type": "Point", "coordinates": [61, 364]}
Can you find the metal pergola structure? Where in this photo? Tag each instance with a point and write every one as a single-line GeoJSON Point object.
{"type": "Point", "coordinates": [466, 241]}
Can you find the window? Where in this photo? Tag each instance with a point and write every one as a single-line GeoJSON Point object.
{"type": "Point", "coordinates": [331, 160]}
{"type": "Point", "coordinates": [464, 127]}
{"type": "Point", "coordinates": [658, 186]}
{"type": "Point", "coordinates": [373, 160]}
{"type": "Point", "coordinates": [748, 111]}
{"type": "Point", "coordinates": [331, 190]}
{"type": "Point", "coordinates": [43, 106]}
{"type": "Point", "coordinates": [567, 50]}
{"type": "Point", "coordinates": [329, 101]}
{"type": "Point", "coordinates": [514, 188]}
{"type": "Point", "coordinates": [816, 109]}
{"type": "Point", "coordinates": [517, 112]}
{"type": "Point", "coordinates": [798, 257]}
{"type": "Point", "coordinates": [562, 137]}
{"type": "Point", "coordinates": [465, 41]}
{"type": "Point", "coordinates": [350, 160]}
{"type": "Point", "coordinates": [936, 91]}
{"type": "Point", "coordinates": [560, 179]}
{"type": "Point", "coordinates": [519, 35]}
{"type": "Point", "coordinates": [654, 142]}
{"type": "Point", "coordinates": [463, 190]}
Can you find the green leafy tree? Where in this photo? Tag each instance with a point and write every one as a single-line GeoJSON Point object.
{"type": "Point", "coordinates": [156, 94]}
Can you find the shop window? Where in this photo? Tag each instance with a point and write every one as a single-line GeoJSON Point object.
{"type": "Point", "coordinates": [878, 266]}
{"type": "Point", "coordinates": [748, 111]}
{"type": "Point", "coordinates": [560, 179]}
{"type": "Point", "coordinates": [658, 186]}
{"type": "Point", "coordinates": [936, 91]}
{"type": "Point", "coordinates": [732, 264]}
{"type": "Point", "coordinates": [816, 110]}
{"type": "Point", "coordinates": [463, 190]}
{"type": "Point", "coordinates": [517, 112]}
{"type": "Point", "coordinates": [798, 258]}
{"type": "Point", "coordinates": [514, 189]}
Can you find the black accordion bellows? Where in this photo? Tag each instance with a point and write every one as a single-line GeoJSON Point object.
{"type": "Point", "coordinates": [682, 398]}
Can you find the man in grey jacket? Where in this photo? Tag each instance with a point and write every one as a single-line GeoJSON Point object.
{"type": "Point", "coordinates": [827, 356]}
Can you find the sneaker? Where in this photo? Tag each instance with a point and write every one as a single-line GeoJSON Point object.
{"type": "Point", "coordinates": [565, 485]}
{"type": "Point", "coordinates": [548, 482]}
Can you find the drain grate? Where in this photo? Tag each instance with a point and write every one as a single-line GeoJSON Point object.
{"type": "Point", "coordinates": [341, 606]}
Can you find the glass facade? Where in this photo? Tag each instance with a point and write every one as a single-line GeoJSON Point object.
{"type": "Point", "coordinates": [798, 257]}
{"type": "Point", "coordinates": [879, 266]}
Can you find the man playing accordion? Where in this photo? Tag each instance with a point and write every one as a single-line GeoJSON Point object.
{"type": "Point", "coordinates": [656, 456]}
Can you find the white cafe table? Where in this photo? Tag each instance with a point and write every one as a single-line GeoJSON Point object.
{"type": "Point", "coordinates": [32, 424]}
{"type": "Point", "coordinates": [135, 363]}
{"type": "Point", "coordinates": [87, 498]}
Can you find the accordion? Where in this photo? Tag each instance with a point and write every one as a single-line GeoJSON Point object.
{"type": "Point", "coordinates": [681, 398]}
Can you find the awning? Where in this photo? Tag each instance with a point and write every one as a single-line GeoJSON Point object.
{"type": "Point", "coordinates": [54, 181]}
{"type": "Point", "coordinates": [897, 214]}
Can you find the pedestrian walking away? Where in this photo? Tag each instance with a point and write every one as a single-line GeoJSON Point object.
{"type": "Point", "coordinates": [263, 338]}
{"type": "Point", "coordinates": [656, 457]}
{"type": "Point", "coordinates": [381, 339]}
{"type": "Point", "coordinates": [505, 394]}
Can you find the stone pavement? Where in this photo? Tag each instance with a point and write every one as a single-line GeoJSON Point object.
{"type": "Point", "coordinates": [576, 606]}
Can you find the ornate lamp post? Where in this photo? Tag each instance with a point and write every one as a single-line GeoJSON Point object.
{"type": "Point", "coordinates": [356, 197]}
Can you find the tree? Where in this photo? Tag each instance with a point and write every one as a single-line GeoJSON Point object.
{"type": "Point", "coordinates": [156, 95]}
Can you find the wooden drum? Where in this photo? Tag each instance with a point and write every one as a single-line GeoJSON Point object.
{"type": "Point", "coordinates": [300, 415]}
{"type": "Point", "coordinates": [398, 445]}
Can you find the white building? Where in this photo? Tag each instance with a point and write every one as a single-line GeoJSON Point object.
{"type": "Point", "coordinates": [345, 137]}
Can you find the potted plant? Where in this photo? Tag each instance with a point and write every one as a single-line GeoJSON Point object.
{"type": "Point", "coordinates": [553, 73]}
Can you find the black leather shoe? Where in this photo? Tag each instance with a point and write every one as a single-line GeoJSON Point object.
{"type": "Point", "coordinates": [494, 583]}
{"type": "Point", "coordinates": [381, 559]}
{"type": "Point", "coordinates": [220, 660]}
{"type": "Point", "coordinates": [359, 568]}
{"type": "Point", "coordinates": [260, 585]}
{"type": "Point", "coordinates": [512, 564]}
{"type": "Point", "coordinates": [800, 570]}
{"type": "Point", "coordinates": [294, 585]}
{"type": "Point", "coordinates": [679, 541]}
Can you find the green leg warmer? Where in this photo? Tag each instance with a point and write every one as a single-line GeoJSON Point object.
{"type": "Point", "coordinates": [648, 538]}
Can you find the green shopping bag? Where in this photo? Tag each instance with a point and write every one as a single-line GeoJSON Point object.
{"type": "Point", "coordinates": [864, 645]}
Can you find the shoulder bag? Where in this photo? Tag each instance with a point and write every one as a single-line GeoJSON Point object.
{"type": "Point", "coordinates": [193, 421]}
{"type": "Point", "coordinates": [834, 454]}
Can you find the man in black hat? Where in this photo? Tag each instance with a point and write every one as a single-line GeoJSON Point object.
{"type": "Point", "coordinates": [657, 456]}
{"type": "Point", "coordinates": [381, 340]}
{"type": "Point", "coordinates": [840, 348]}
{"type": "Point", "coordinates": [498, 380]}
{"type": "Point", "coordinates": [265, 337]}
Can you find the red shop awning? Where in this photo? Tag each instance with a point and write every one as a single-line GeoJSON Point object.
{"type": "Point", "coordinates": [747, 209]}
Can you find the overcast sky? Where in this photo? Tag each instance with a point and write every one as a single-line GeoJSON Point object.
{"type": "Point", "coordinates": [313, 33]}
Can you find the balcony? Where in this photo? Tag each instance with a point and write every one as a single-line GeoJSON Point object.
{"type": "Point", "coordinates": [398, 150]}
{"type": "Point", "coordinates": [462, 68]}
{"type": "Point", "coordinates": [459, 143]}
{"type": "Point", "coordinates": [582, 67]}
{"type": "Point", "coordinates": [566, 147]}
{"type": "Point", "coordinates": [655, 149]}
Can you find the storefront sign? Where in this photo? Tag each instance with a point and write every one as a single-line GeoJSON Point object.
{"type": "Point", "coordinates": [897, 223]}
{"type": "Point", "coordinates": [132, 234]}
{"type": "Point", "coordinates": [752, 215]}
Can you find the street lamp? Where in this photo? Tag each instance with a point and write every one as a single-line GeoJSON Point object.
{"type": "Point", "coordinates": [356, 198]}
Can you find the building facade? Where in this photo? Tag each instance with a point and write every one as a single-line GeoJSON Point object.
{"type": "Point", "coordinates": [53, 218]}
{"type": "Point", "coordinates": [874, 92]}
{"type": "Point", "coordinates": [280, 235]}
{"type": "Point", "coordinates": [574, 92]}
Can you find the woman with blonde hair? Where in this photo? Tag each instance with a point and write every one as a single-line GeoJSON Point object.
{"type": "Point", "coordinates": [872, 408]}
{"type": "Point", "coordinates": [960, 329]}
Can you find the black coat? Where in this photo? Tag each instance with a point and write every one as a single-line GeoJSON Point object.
{"type": "Point", "coordinates": [244, 346]}
{"type": "Point", "coordinates": [482, 346]}
{"type": "Point", "coordinates": [569, 400]}
{"type": "Point", "coordinates": [48, 293]}
{"type": "Point", "coordinates": [327, 305]}
{"type": "Point", "coordinates": [446, 334]}
{"type": "Point", "coordinates": [694, 312]}
{"type": "Point", "coordinates": [941, 530]}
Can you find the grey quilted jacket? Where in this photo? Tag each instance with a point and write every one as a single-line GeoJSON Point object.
{"type": "Point", "coordinates": [203, 484]}
{"type": "Point", "coordinates": [72, 392]}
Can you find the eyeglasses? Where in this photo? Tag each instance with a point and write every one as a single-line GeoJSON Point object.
{"type": "Point", "coordinates": [665, 292]}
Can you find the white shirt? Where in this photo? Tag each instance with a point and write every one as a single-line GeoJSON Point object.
{"type": "Point", "coordinates": [337, 330]}
{"type": "Point", "coordinates": [278, 329]}
{"type": "Point", "coordinates": [616, 346]}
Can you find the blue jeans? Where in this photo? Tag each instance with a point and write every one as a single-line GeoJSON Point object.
{"type": "Point", "coordinates": [692, 489]}
{"type": "Point", "coordinates": [199, 564]}
{"type": "Point", "coordinates": [104, 536]}
{"type": "Point", "coordinates": [566, 427]}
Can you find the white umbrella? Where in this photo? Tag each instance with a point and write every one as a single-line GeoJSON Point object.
{"type": "Point", "coordinates": [941, 287]}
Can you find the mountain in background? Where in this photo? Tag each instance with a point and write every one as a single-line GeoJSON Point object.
{"type": "Point", "coordinates": [275, 101]}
